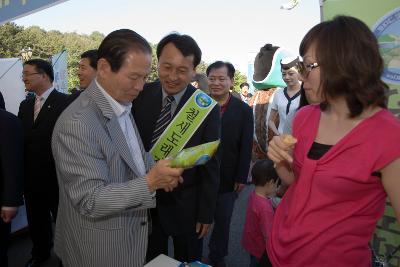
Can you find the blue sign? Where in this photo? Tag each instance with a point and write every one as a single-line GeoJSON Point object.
{"type": "Point", "coordinates": [13, 9]}
{"type": "Point", "coordinates": [387, 31]}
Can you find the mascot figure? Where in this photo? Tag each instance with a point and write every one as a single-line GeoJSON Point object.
{"type": "Point", "coordinates": [266, 79]}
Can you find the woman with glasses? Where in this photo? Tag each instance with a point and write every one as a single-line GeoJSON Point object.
{"type": "Point", "coordinates": [347, 157]}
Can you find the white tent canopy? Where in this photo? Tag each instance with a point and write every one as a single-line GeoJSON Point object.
{"type": "Point", "coordinates": [11, 85]}
{"type": "Point", "coordinates": [11, 10]}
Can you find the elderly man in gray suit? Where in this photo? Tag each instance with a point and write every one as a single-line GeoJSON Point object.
{"type": "Point", "coordinates": [106, 178]}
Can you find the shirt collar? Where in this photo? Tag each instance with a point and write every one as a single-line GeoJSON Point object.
{"type": "Point", "coordinates": [117, 107]}
{"type": "Point", "coordinates": [176, 96]}
{"type": "Point", "coordinates": [46, 94]}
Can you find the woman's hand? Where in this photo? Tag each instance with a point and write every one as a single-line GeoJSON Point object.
{"type": "Point", "coordinates": [280, 148]}
{"type": "Point", "coordinates": [279, 151]}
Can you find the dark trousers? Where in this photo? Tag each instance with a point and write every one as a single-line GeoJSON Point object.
{"type": "Point", "coordinates": [264, 261]}
{"type": "Point", "coordinates": [41, 211]}
{"type": "Point", "coordinates": [187, 247]}
{"type": "Point", "coordinates": [254, 262]}
{"type": "Point", "coordinates": [219, 239]}
{"type": "Point", "coordinates": [5, 229]}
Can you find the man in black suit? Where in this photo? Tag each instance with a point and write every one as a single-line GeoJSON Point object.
{"type": "Point", "coordinates": [11, 176]}
{"type": "Point", "coordinates": [236, 144]}
{"type": "Point", "coordinates": [87, 71]}
{"type": "Point", "coordinates": [2, 104]}
{"type": "Point", "coordinates": [38, 116]}
{"type": "Point", "coordinates": [186, 213]}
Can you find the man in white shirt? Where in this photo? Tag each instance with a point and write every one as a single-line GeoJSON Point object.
{"type": "Point", "coordinates": [107, 180]}
{"type": "Point", "coordinates": [245, 95]}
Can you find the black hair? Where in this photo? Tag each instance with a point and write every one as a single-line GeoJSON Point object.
{"type": "Point", "coordinates": [351, 66]}
{"type": "Point", "coordinates": [184, 43]}
{"type": "Point", "coordinates": [244, 84]}
{"type": "Point", "coordinates": [303, 99]}
{"type": "Point", "coordinates": [92, 56]}
{"type": "Point", "coordinates": [201, 80]}
{"type": "Point", "coordinates": [118, 44]}
{"type": "Point", "coordinates": [263, 171]}
{"type": "Point", "coordinates": [220, 64]}
{"type": "Point", "coordinates": [42, 66]}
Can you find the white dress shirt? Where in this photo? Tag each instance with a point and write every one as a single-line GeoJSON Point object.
{"type": "Point", "coordinates": [43, 97]}
{"type": "Point", "coordinates": [125, 120]}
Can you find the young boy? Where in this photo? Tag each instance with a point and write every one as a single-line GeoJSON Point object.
{"type": "Point", "coordinates": [260, 210]}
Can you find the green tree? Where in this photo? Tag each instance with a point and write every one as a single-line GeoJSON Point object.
{"type": "Point", "coordinates": [97, 36]}
{"type": "Point", "coordinates": [202, 67]}
{"type": "Point", "coordinates": [44, 44]}
{"type": "Point", "coordinates": [9, 44]}
{"type": "Point", "coordinates": [238, 79]}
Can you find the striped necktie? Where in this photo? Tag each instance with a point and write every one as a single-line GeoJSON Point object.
{"type": "Point", "coordinates": [37, 107]}
{"type": "Point", "coordinates": [163, 120]}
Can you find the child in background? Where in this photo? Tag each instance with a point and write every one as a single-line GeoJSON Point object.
{"type": "Point", "coordinates": [260, 210]}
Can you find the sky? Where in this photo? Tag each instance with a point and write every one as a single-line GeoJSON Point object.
{"type": "Point", "coordinates": [229, 30]}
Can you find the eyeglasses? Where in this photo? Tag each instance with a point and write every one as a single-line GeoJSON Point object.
{"type": "Point", "coordinates": [23, 75]}
{"type": "Point", "coordinates": [304, 69]}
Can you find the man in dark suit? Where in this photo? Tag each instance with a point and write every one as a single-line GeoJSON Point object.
{"type": "Point", "coordinates": [38, 116]}
{"type": "Point", "coordinates": [87, 71]}
{"type": "Point", "coordinates": [11, 176]}
{"type": "Point", "coordinates": [2, 104]}
{"type": "Point", "coordinates": [186, 213]}
{"type": "Point", "coordinates": [236, 144]}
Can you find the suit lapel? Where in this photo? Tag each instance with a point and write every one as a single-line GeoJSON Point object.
{"type": "Point", "coordinates": [46, 108]}
{"type": "Point", "coordinates": [112, 126]}
{"type": "Point", "coordinates": [156, 110]}
{"type": "Point", "coordinates": [29, 112]}
{"type": "Point", "coordinates": [118, 138]}
{"type": "Point", "coordinates": [188, 93]}
{"type": "Point", "coordinates": [140, 142]}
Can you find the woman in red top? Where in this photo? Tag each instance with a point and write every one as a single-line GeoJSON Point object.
{"type": "Point", "coordinates": [347, 156]}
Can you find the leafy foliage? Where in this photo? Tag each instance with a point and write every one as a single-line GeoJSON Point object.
{"type": "Point", "coordinates": [44, 44]}
{"type": "Point", "coordinates": [238, 79]}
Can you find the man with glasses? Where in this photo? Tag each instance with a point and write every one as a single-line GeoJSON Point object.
{"type": "Point", "coordinates": [38, 116]}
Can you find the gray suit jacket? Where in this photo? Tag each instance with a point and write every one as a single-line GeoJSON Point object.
{"type": "Point", "coordinates": [102, 214]}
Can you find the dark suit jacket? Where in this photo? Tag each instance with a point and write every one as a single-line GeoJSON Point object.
{"type": "Point", "coordinates": [2, 104]}
{"type": "Point", "coordinates": [75, 94]}
{"type": "Point", "coordinates": [194, 200]}
{"type": "Point", "coordinates": [236, 94]}
{"type": "Point", "coordinates": [236, 144]}
{"type": "Point", "coordinates": [11, 160]}
{"type": "Point", "coordinates": [40, 173]}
